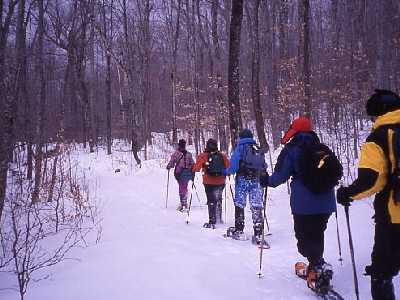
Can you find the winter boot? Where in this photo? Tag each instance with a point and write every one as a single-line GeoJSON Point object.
{"type": "Point", "coordinates": [319, 277]}
{"type": "Point", "coordinates": [258, 225]}
{"type": "Point", "coordinates": [382, 289]}
{"type": "Point", "coordinates": [184, 206]}
{"type": "Point", "coordinates": [258, 222]}
{"type": "Point", "coordinates": [211, 212]}
{"type": "Point", "coordinates": [218, 213]}
{"type": "Point", "coordinates": [239, 219]}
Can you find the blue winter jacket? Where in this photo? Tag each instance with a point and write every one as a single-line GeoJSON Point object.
{"type": "Point", "coordinates": [302, 200]}
{"type": "Point", "coordinates": [237, 155]}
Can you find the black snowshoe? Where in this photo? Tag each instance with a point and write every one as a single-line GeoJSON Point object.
{"type": "Point", "coordinates": [236, 234]}
{"type": "Point", "coordinates": [260, 242]}
{"type": "Point", "coordinates": [209, 225]}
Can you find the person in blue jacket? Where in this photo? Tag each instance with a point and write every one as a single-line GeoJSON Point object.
{"type": "Point", "coordinates": [247, 184]}
{"type": "Point", "coordinates": [310, 211]}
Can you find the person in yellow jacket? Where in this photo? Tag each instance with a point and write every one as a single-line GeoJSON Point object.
{"type": "Point", "coordinates": [377, 175]}
{"type": "Point", "coordinates": [213, 179]}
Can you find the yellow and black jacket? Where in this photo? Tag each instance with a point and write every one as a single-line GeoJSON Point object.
{"type": "Point", "coordinates": [376, 170]}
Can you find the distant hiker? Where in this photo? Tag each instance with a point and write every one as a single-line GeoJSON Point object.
{"type": "Point", "coordinates": [247, 161]}
{"type": "Point", "coordinates": [377, 174]}
{"type": "Point", "coordinates": [310, 210]}
{"type": "Point", "coordinates": [182, 162]}
{"type": "Point", "coordinates": [212, 162]}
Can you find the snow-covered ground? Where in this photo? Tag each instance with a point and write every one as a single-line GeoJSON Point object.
{"type": "Point", "coordinates": [149, 252]}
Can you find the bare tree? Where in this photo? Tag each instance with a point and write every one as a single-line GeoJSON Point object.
{"type": "Point", "coordinates": [7, 138]}
{"type": "Point", "coordinates": [172, 20]}
{"type": "Point", "coordinates": [144, 52]}
{"type": "Point", "coordinates": [255, 72]}
{"type": "Point", "coordinates": [70, 218]}
{"type": "Point", "coordinates": [271, 69]}
{"type": "Point", "coordinates": [217, 76]}
{"type": "Point", "coordinates": [306, 17]}
{"type": "Point", "coordinates": [235, 116]}
{"type": "Point", "coordinates": [40, 107]}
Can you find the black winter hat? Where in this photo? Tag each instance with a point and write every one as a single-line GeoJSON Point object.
{"type": "Point", "coordinates": [182, 144]}
{"type": "Point", "coordinates": [381, 102]}
{"type": "Point", "coordinates": [211, 145]}
{"type": "Point", "coordinates": [245, 133]}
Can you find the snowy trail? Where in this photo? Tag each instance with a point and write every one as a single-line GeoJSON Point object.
{"type": "Point", "coordinates": [147, 251]}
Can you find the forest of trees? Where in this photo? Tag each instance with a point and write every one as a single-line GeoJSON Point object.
{"type": "Point", "coordinates": [92, 71]}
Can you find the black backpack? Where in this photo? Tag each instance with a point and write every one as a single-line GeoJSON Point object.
{"type": "Point", "coordinates": [253, 161]}
{"type": "Point", "coordinates": [214, 164]}
{"type": "Point", "coordinates": [320, 169]}
{"type": "Point", "coordinates": [396, 152]}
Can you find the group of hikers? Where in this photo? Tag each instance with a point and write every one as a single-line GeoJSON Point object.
{"type": "Point", "coordinates": [311, 206]}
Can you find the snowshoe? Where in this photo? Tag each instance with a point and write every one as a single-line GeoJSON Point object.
{"type": "Point", "coordinates": [300, 269]}
{"type": "Point", "coordinates": [182, 208]}
{"type": "Point", "coordinates": [236, 234]}
{"type": "Point", "coordinates": [257, 240]}
{"type": "Point", "coordinates": [209, 225]}
{"type": "Point", "coordinates": [318, 280]}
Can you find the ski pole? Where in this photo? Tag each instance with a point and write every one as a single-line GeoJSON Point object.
{"type": "Point", "coordinates": [338, 238]}
{"type": "Point", "coordinates": [230, 186]}
{"type": "Point", "coordinates": [346, 210]}
{"type": "Point", "coordinates": [166, 200]}
{"type": "Point", "coordinates": [225, 205]}
{"type": "Point", "coordinates": [265, 211]}
{"type": "Point", "coordinates": [190, 204]}
{"type": "Point", "coordinates": [198, 198]}
{"type": "Point", "coordinates": [262, 233]}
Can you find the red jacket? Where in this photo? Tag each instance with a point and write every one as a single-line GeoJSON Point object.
{"type": "Point", "coordinates": [200, 166]}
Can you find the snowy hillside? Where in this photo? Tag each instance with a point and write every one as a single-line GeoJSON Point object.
{"type": "Point", "coordinates": [147, 251]}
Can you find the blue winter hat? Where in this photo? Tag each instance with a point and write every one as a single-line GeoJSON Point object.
{"type": "Point", "coordinates": [245, 133]}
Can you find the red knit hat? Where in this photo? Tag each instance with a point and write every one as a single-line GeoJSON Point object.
{"type": "Point", "coordinates": [298, 125]}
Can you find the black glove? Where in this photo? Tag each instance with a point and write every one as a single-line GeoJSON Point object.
{"type": "Point", "coordinates": [342, 196]}
{"type": "Point", "coordinates": [264, 179]}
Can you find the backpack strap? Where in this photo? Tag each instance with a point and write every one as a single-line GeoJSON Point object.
{"type": "Point", "coordinates": [184, 159]}
{"type": "Point", "coordinates": [393, 181]}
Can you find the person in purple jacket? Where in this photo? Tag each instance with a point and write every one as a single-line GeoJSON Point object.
{"type": "Point", "coordinates": [182, 161]}
{"type": "Point", "coordinates": [311, 211]}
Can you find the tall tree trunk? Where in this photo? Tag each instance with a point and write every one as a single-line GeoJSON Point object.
{"type": "Point", "coordinates": [217, 75]}
{"type": "Point", "coordinates": [235, 116]}
{"type": "Point", "coordinates": [144, 41]}
{"type": "Point", "coordinates": [174, 32]}
{"type": "Point", "coordinates": [255, 73]}
{"type": "Point", "coordinates": [81, 71]}
{"type": "Point", "coordinates": [108, 79]}
{"type": "Point", "coordinates": [6, 147]}
{"type": "Point", "coordinates": [307, 59]}
{"type": "Point", "coordinates": [274, 115]}
{"type": "Point", "coordinates": [40, 106]}
{"type": "Point", "coordinates": [92, 87]}
{"type": "Point", "coordinates": [194, 73]}
{"type": "Point", "coordinates": [23, 85]}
